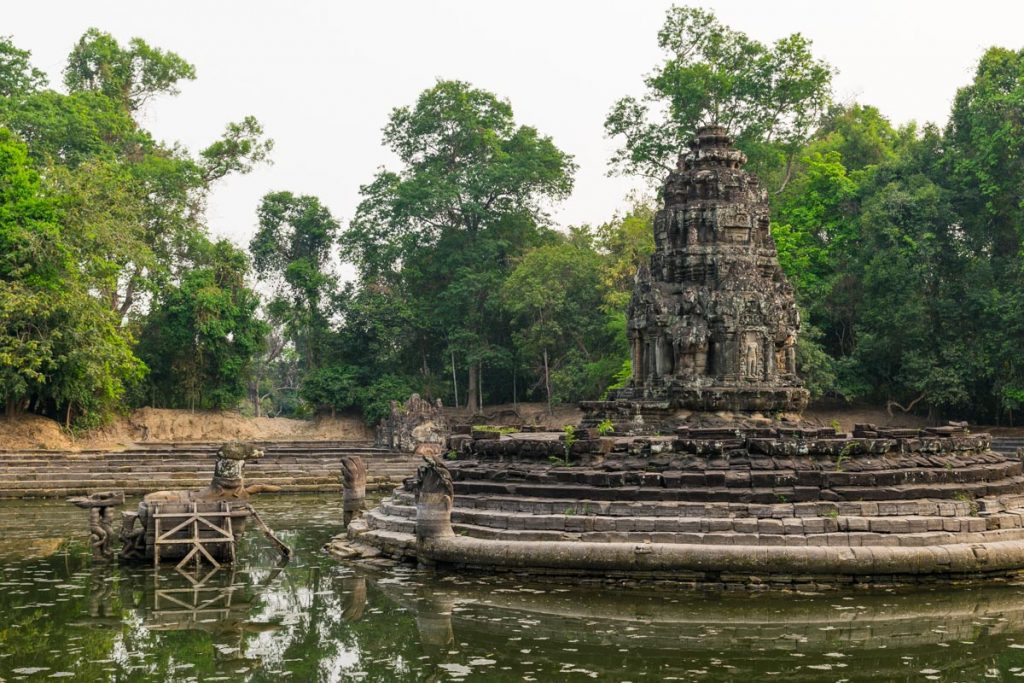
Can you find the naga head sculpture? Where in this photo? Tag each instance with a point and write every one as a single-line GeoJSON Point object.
{"type": "Point", "coordinates": [231, 457]}
{"type": "Point", "coordinates": [435, 493]}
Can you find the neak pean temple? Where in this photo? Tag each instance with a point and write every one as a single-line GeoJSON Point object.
{"type": "Point", "coordinates": [712, 322]}
{"type": "Point", "coordinates": [709, 477]}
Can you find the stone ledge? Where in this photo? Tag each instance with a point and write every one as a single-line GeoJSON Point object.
{"type": "Point", "coordinates": [957, 559]}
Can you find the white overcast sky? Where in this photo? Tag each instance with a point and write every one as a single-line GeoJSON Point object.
{"type": "Point", "coordinates": [323, 76]}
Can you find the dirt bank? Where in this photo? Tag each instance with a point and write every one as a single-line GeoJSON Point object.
{"type": "Point", "coordinates": [537, 413]}
{"type": "Point", "coordinates": [159, 426]}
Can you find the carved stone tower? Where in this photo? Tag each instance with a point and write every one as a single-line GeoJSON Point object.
{"type": "Point", "coordinates": [712, 321]}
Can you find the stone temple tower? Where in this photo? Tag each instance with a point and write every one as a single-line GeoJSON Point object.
{"type": "Point", "coordinates": [712, 322]}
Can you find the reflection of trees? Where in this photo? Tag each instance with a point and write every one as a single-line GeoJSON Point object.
{"type": "Point", "coordinates": [317, 619]}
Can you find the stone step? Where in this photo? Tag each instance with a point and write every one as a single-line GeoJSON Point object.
{"type": "Point", "coordinates": [378, 521]}
{"type": "Point", "coordinates": [144, 456]}
{"type": "Point", "coordinates": [744, 477]}
{"type": "Point", "coordinates": [325, 467]}
{"type": "Point", "coordinates": [538, 505]}
{"type": "Point", "coordinates": [763, 495]}
{"type": "Point", "coordinates": [792, 525]}
{"type": "Point", "coordinates": [183, 452]}
{"type": "Point", "coordinates": [141, 488]}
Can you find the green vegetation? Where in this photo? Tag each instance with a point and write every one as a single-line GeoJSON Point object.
{"type": "Point", "coordinates": [106, 260]}
{"type": "Point", "coordinates": [904, 244]}
{"type": "Point", "coordinates": [495, 429]}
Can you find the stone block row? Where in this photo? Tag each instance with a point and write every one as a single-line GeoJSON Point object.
{"type": "Point", "coordinates": [735, 444]}
{"type": "Point", "coordinates": [761, 495]}
{"type": "Point", "coordinates": [605, 530]}
{"type": "Point", "coordinates": [904, 508]}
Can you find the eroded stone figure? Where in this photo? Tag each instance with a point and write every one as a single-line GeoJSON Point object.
{"type": "Point", "coordinates": [418, 426]}
{"type": "Point", "coordinates": [353, 486]}
{"type": "Point", "coordinates": [434, 495]}
{"type": "Point", "coordinates": [101, 521]}
{"type": "Point", "coordinates": [227, 484]}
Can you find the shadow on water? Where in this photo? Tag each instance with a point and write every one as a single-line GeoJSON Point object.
{"type": "Point", "coordinates": [316, 620]}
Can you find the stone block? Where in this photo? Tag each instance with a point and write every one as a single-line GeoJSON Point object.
{"type": "Point", "coordinates": [793, 526]}
{"type": "Point", "coordinates": [856, 523]}
{"type": "Point", "coordinates": [814, 525]}
{"type": "Point", "coordinates": [746, 525]}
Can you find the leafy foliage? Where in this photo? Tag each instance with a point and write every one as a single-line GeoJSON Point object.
{"type": "Point", "coordinates": [104, 236]}
{"type": "Point", "coordinates": [769, 97]}
{"type": "Point", "coordinates": [443, 230]}
{"type": "Point", "coordinates": [201, 337]}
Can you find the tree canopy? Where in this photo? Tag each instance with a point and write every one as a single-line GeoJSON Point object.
{"type": "Point", "coordinates": [770, 97]}
{"type": "Point", "coordinates": [105, 242]}
{"type": "Point", "coordinates": [904, 244]}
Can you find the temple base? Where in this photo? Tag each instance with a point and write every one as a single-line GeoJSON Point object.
{"type": "Point", "coordinates": [635, 410]}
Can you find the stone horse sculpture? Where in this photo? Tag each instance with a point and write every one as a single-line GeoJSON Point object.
{"type": "Point", "coordinates": [227, 486]}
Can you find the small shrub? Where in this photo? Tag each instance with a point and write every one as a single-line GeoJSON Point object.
{"type": "Point", "coordinates": [570, 439]}
{"type": "Point", "coordinates": [843, 456]}
{"type": "Point", "coordinates": [605, 427]}
{"type": "Point", "coordinates": [964, 497]}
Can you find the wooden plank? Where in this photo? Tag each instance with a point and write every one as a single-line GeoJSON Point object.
{"type": "Point", "coordinates": [204, 514]}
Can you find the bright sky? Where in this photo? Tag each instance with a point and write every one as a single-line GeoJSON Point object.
{"type": "Point", "coordinates": [322, 76]}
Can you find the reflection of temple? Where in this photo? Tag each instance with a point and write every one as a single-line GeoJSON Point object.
{"type": "Point", "coordinates": [712, 322]}
{"type": "Point", "coordinates": [662, 634]}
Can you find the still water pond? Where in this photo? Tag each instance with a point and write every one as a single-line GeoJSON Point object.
{"type": "Point", "coordinates": [317, 620]}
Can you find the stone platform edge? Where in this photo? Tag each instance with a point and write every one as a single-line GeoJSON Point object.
{"type": "Point", "coordinates": [744, 564]}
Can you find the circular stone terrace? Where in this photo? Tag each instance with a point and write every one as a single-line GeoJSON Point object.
{"type": "Point", "coordinates": [706, 507]}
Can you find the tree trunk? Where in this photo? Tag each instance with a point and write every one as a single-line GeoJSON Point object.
{"type": "Point", "coordinates": [471, 399]}
{"type": "Point", "coordinates": [480, 388]}
{"type": "Point", "coordinates": [455, 380]}
{"type": "Point", "coordinates": [547, 379]}
{"type": "Point", "coordinates": [515, 405]}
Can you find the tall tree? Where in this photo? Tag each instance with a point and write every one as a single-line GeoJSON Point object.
{"type": "Point", "coordinates": [983, 159]}
{"type": "Point", "coordinates": [130, 75]}
{"type": "Point", "coordinates": [469, 197]}
{"type": "Point", "coordinates": [770, 98]}
{"type": "Point", "coordinates": [292, 251]}
{"type": "Point", "coordinates": [61, 350]}
{"type": "Point", "coordinates": [128, 228]}
{"type": "Point", "coordinates": [555, 295]}
{"type": "Point", "coordinates": [202, 337]}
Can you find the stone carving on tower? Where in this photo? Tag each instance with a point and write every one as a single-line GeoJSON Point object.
{"type": "Point", "coordinates": [712, 322]}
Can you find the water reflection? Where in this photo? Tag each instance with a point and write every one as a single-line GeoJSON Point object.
{"type": "Point", "coordinates": [316, 620]}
